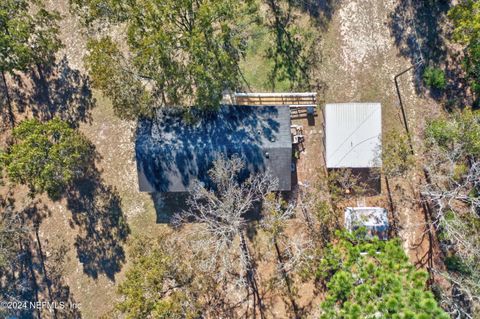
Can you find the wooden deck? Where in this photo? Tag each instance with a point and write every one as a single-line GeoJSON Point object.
{"type": "Point", "coordinates": [294, 100]}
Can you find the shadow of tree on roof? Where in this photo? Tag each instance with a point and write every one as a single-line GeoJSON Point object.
{"type": "Point", "coordinates": [172, 153]}
{"type": "Point", "coordinates": [56, 90]}
{"type": "Point", "coordinates": [103, 230]}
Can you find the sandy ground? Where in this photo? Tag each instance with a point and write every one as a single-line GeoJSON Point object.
{"type": "Point", "coordinates": [359, 62]}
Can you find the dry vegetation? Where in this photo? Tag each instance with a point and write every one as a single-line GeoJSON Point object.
{"type": "Point", "coordinates": [359, 53]}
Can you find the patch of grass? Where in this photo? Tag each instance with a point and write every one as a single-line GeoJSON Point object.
{"type": "Point", "coordinates": [256, 67]}
{"type": "Point", "coordinates": [371, 92]}
{"type": "Point", "coordinates": [295, 59]}
{"type": "Point", "coordinates": [454, 263]}
{"type": "Point", "coordinates": [434, 78]}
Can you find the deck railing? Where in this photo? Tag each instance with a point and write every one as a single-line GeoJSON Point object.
{"type": "Point", "coordinates": [294, 100]}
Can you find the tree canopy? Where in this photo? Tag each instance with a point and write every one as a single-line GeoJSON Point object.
{"type": "Point", "coordinates": [459, 134]}
{"type": "Point", "coordinates": [452, 163]}
{"type": "Point", "coordinates": [46, 156]}
{"type": "Point", "coordinates": [373, 279]}
{"type": "Point", "coordinates": [111, 73]}
{"type": "Point", "coordinates": [29, 34]}
{"type": "Point", "coordinates": [156, 284]}
{"type": "Point", "coordinates": [180, 53]}
{"type": "Point", "coordinates": [465, 17]}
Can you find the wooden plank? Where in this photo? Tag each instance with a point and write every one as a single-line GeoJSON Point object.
{"type": "Point", "coordinates": [275, 94]}
{"type": "Point", "coordinates": [290, 99]}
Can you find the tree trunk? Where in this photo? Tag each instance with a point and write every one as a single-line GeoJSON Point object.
{"type": "Point", "coordinates": [29, 263]}
{"type": "Point", "coordinates": [45, 87]}
{"type": "Point", "coordinates": [251, 276]}
{"type": "Point", "coordinates": [287, 280]}
{"type": "Point", "coordinates": [11, 117]}
{"type": "Point", "coordinates": [44, 270]}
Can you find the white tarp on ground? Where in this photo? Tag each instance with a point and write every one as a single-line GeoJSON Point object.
{"type": "Point", "coordinates": [353, 135]}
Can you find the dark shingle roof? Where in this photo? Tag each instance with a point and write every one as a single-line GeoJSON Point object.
{"type": "Point", "coordinates": [171, 154]}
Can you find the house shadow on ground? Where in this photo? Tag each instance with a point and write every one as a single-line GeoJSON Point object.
{"type": "Point", "coordinates": [168, 204]}
{"type": "Point", "coordinates": [357, 181]}
{"type": "Point", "coordinates": [370, 179]}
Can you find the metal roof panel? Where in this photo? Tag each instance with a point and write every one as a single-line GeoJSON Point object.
{"type": "Point", "coordinates": [353, 135]}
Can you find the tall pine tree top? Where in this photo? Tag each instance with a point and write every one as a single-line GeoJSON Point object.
{"type": "Point", "coordinates": [374, 279]}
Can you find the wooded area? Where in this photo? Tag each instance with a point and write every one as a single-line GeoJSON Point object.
{"type": "Point", "coordinates": [75, 228]}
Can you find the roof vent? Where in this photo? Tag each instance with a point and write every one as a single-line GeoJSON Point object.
{"type": "Point", "coordinates": [267, 155]}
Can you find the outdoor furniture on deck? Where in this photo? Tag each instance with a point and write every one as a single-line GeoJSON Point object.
{"type": "Point", "coordinates": [297, 139]}
{"type": "Point", "coordinates": [297, 128]}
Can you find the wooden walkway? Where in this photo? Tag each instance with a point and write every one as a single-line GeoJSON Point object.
{"type": "Point", "coordinates": [294, 100]}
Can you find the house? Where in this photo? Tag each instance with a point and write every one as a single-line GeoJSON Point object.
{"type": "Point", "coordinates": [374, 219]}
{"type": "Point", "coordinates": [353, 135]}
{"type": "Point", "coordinates": [171, 153]}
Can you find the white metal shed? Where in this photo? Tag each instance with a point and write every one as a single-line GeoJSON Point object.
{"type": "Point", "coordinates": [353, 134]}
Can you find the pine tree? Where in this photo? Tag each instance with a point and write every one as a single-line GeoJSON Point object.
{"type": "Point", "coordinates": [373, 279]}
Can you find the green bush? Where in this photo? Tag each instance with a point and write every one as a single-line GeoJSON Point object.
{"type": "Point", "coordinates": [46, 156]}
{"type": "Point", "coordinates": [454, 263]}
{"type": "Point", "coordinates": [434, 78]}
{"type": "Point", "coordinates": [461, 129]}
{"type": "Point", "coordinates": [397, 157]}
